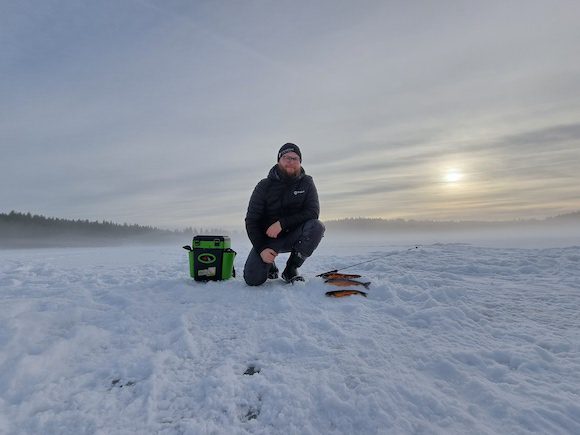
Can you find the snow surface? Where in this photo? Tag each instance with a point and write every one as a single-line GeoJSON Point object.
{"type": "Point", "coordinates": [452, 339]}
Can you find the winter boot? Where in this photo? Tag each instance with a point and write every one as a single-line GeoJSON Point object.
{"type": "Point", "coordinates": [290, 273]}
{"type": "Point", "coordinates": [273, 272]}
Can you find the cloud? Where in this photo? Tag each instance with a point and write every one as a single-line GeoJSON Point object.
{"type": "Point", "coordinates": [552, 136]}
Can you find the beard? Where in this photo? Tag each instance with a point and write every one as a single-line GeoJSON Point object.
{"type": "Point", "coordinates": [290, 172]}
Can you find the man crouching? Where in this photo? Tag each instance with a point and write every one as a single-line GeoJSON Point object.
{"type": "Point", "coordinates": [282, 217]}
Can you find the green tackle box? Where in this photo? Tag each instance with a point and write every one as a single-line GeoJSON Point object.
{"type": "Point", "coordinates": [211, 258]}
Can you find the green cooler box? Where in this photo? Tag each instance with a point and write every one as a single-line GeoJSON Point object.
{"type": "Point", "coordinates": [211, 258]}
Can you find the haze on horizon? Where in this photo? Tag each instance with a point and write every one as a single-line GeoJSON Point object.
{"type": "Point", "coordinates": [168, 113]}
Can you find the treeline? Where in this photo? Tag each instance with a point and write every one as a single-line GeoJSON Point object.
{"type": "Point", "coordinates": [400, 225]}
{"type": "Point", "coordinates": [25, 229]}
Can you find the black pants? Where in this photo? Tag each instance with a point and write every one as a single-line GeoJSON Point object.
{"type": "Point", "coordinates": [303, 239]}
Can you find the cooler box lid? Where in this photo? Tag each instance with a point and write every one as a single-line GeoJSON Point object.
{"type": "Point", "coordinates": [211, 242]}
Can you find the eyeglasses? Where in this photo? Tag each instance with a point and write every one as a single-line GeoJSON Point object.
{"type": "Point", "coordinates": [290, 159]}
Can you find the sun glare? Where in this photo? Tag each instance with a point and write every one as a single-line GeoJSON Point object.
{"type": "Point", "coordinates": [453, 176]}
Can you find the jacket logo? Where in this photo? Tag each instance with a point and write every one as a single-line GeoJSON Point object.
{"type": "Point", "coordinates": [298, 192]}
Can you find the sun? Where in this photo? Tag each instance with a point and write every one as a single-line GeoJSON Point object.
{"type": "Point", "coordinates": [452, 176]}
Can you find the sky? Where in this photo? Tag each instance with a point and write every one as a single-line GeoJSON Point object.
{"type": "Point", "coordinates": [168, 113]}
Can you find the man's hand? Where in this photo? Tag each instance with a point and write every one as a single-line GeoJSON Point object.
{"type": "Point", "coordinates": [268, 255]}
{"type": "Point", "coordinates": [274, 229]}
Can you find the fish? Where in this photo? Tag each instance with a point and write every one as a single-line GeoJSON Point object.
{"type": "Point", "coordinates": [343, 293]}
{"type": "Point", "coordinates": [346, 282]}
{"type": "Point", "coordinates": [338, 275]}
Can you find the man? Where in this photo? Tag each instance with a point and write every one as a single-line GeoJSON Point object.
{"type": "Point", "coordinates": [282, 217]}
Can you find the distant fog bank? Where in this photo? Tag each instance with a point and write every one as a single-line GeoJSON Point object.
{"type": "Point", "coordinates": [555, 231]}
{"type": "Point", "coordinates": [24, 230]}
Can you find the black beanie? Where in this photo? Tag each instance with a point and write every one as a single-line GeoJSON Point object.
{"type": "Point", "coordinates": [289, 148]}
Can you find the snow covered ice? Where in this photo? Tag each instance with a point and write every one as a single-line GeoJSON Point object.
{"type": "Point", "coordinates": [452, 339]}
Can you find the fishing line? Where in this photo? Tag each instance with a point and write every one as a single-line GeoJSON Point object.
{"type": "Point", "coordinates": [372, 259]}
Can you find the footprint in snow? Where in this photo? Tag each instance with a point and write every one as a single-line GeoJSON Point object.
{"type": "Point", "coordinates": [116, 383]}
{"type": "Point", "coordinates": [252, 370]}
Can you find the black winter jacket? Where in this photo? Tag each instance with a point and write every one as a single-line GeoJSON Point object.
{"type": "Point", "coordinates": [292, 202]}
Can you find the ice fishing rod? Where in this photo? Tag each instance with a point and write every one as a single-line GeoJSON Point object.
{"type": "Point", "coordinates": [372, 259]}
